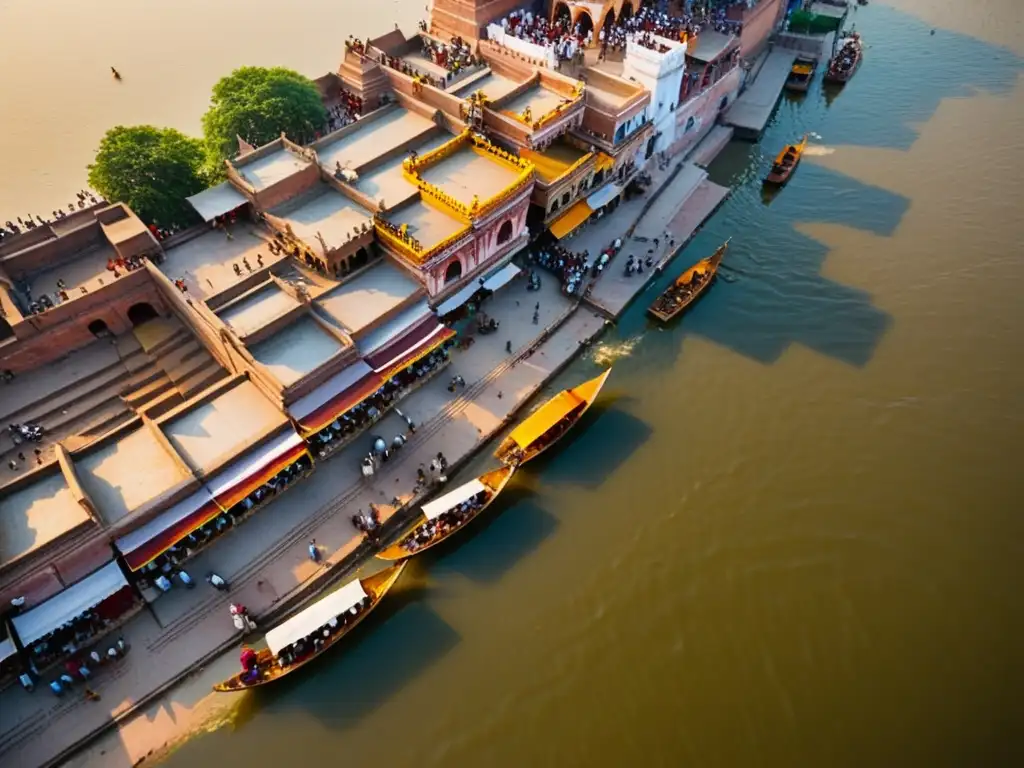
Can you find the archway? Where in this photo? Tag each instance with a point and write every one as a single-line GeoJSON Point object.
{"type": "Point", "coordinates": [609, 21]}
{"type": "Point", "coordinates": [561, 13]}
{"type": "Point", "coordinates": [586, 24]}
{"type": "Point", "coordinates": [141, 312]}
{"type": "Point", "coordinates": [626, 12]}
{"type": "Point", "coordinates": [453, 272]}
{"type": "Point", "coordinates": [98, 328]}
{"type": "Point", "coordinates": [505, 232]}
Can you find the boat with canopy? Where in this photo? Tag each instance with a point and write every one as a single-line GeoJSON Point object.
{"type": "Point", "coordinates": [688, 287]}
{"type": "Point", "coordinates": [546, 426]}
{"type": "Point", "coordinates": [311, 632]}
{"type": "Point", "coordinates": [848, 57]}
{"type": "Point", "coordinates": [450, 513]}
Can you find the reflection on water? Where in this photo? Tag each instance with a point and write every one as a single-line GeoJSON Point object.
{"type": "Point", "coordinates": [787, 534]}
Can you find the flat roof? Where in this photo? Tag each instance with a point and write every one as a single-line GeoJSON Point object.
{"type": "Point", "coordinates": [425, 66]}
{"type": "Point", "coordinates": [124, 229]}
{"type": "Point", "coordinates": [87, 269]}
{"type": "Point", "coordinates": [610, 91]}
{"type": "Point", "coordinates": [123, 475]}
{"type": "Point", "coordinates": [468, 172]}
{"type": "Point", "coordinates": [371, 294]}
{"type": "Point", "coordinates": [296, 350]}
{"type": "Point", "coordinates": [205, 262]}
{"type": "Point", "coordinates": [373, 138]}
{"type": "Point", "coordinates": [386, 182]}
{"type": "Point", "coordinates": [330, 214]}
{"type": "Point", "coordinates": [555, 160]}
{"type": "Point", "coordinates": [224, 425]}
{"type": "Point", "coordinates": [538, 98]}
{"type": "Point", "coordinates": [36, 515]}
{"type": "Point", "coordinates": [426, 223]}
{"type": "Point", "coordinates": [258, 308]}
{"type": "Point", "coordinates": [267, 171]}
{"type": "Point", "coordinates": [710, 45]}
{"type": "Point", "coordinates": [493, 85]}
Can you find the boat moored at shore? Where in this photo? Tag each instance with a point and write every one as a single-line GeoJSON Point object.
{"type": "Point", "coordinates": [786, 163]}
{"type": "Point", "coordinates": [801, 74]}
{"type": "Point", "coordinates": [688, 287]}
{"type": "Point", "coordinates": [450, 513]}
{"type": "Point", "coordinates": [312, 631]}
{"type": "Point", "coordinates": [549, 423]}
{"type": "Point", "coordinates": [844, 64]}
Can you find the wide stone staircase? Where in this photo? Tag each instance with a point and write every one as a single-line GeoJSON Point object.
{"type": "Point", "coordinates": [100, 387]}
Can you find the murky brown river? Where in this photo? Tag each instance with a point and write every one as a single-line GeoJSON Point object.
{"type": "Point", "coordinates": [793, 533]}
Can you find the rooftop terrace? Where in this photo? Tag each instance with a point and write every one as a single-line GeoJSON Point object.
{"type": "Point", "coordinates": [124, 474]}
{"type": "Point", "coordinates": [205, 262]}
{"type": "Point", "coordinates": [709, 45]}
{"type": "Point", "coordinates": [222, 426]}
{"type": "Point", "coordinates": [386, 182]}
{"type": "Point", "coordinates": [257, 308]}
{"type": "Point", "coordinates": [88, 270]}
{"type": "Point", "coordinates": [371, 138]}
{"type": "Point", "coordinates": [373, 293]}
{"type": "Point", "coordinates": [539, 99]}
{"type": "Point", "coordinates": [493, 85]}
{"type": "Point", "coordinates": [326, 213]}
{"type": "Point", "coordinates": [555, 160]}
{"type": "Point", "coordinates": [296, 350]}
{"type": "Point", "coordinates": [466, 173]}
{"type": "Point", "coordinates": [36, 515]}
{"type": "Point", "coordinates": [427, 224]}
{"type": "Point", "coordinates": [266, 171]}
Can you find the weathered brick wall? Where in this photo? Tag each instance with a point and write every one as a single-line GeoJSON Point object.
{"type": "Point", "coordinates": [758, 23]}
{"type": "Point", "coordinates": [704, 110]}
{"type": "Point", "coordinates": [289, 187]}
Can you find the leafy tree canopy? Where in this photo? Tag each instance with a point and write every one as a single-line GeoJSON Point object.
{"type": "Point", "coordinates": [151, 169]}
{"type": "Point", "coordinates": [257, 104]}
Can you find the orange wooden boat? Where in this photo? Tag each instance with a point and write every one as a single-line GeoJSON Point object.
{"type": "Point", "coordinates": [802, 74]}
{"type": "Point", "coordinates": [549, 423]}
{"type": "Point", "coordinates": [688, 287]}
{"type": "Point", "coordinates": [844, 64]}
{"type": "Point", "coordinates": [435, 526]}
{"type": "Point", "coordinates": [346, 607]}
{"type": "Point", "coordinates": [786, 163]}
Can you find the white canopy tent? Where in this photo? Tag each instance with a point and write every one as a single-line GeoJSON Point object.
{"type": "Point", "coordinates": [456, 300]}
{"type": "Point", "coordinates": [216, 201]}
{"type": "Point", "coordinates": [438, 507]}
{"type": "Point", "coordinates": [72, 602]}
{"type": "Point", "coordinates": [603, 196]}
{"type": "Point", "coordinates": [502, 277]}
{"type": "Point", "coordinates": [7, 649]}
{"type": "Point", "coordinates": [310, 620]}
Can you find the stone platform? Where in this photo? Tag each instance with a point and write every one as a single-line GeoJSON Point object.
{"type": "Point", "coordinates": [750, 113]}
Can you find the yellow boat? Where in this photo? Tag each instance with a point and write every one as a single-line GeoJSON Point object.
{"type": "Point", "coordinates": [786, 163]}
{"type": "Point", "coordinates": [430, 531]}
{"type": "Point", "coordinates": [346, 607]}
{"type": "Point", "coordinates": [688, 287]}
{"type": "Point", "coordinates": [546, 426]}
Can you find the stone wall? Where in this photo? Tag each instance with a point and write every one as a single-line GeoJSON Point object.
{"type": "Point", "coordinates": [289, 187]}
{"type": "Point", "coordinates": [758, 24]}
{"type": "Point", "coordinates": [50, 252]}
{"type": "Point", "coordinates": [704, 110]}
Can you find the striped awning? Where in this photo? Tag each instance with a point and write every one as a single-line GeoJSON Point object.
{"type": "Point", "coordinates": [566, 223]}
{"type": "Point", "coordinates": [247, 474]}
{"type": "Point", "coordinates": [145, 544]}
{"type": "Point", "coordinates": [394, 328]}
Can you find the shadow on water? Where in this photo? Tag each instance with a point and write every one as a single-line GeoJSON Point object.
{"type": "Point", "coordinates": [497, 542]}
{"type": "Point", "coordinates": [618, 432]}
{"type": "Point", "coordinates": [351, 683]}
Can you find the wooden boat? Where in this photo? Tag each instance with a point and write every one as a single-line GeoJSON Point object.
{"type": "Point", "coordinates": [688, 286]}
{"type": "Point", "coordinates": [360, 595]}
{"type": "Point", "coordinates": [801, 75]}
{"type": "Point", "coordinates": [484, 488]}
{"type": "Point", "coordinates": [546, 426]}
{"type": "Point", "coordinates": [844, 64]}
{"type": "Point", "coordinates": [786, 163]}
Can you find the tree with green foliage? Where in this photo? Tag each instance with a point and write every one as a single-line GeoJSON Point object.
{"type": "Point", "coordinates": [151, 169]}
{"type": "Point", "coordinates": [258, 104]}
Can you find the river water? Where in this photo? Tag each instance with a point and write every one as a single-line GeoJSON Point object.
{"type": "Point", "coordinates": [791, 534]}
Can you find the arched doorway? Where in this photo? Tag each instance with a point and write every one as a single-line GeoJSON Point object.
{"type": "Point", "coordinates": [505, 232]}
{"type": "Point", "coordinates": [626, 12]}
{"type": "Point", "coordinates": [98, 328]}
{"type": "Point", "coordinates": [609, 21]}
{"type": "Point", "coordinates": [141, 312]}
{"type": "Point", "coordinates": [562, 15]}
{"type": "Point", "coordinates": [453, 272]}
{"type": "Point", "coordinates": [586, 24]}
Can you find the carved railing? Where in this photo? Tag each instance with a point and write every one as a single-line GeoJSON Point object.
{"type": "Point", "coordinates": [408, 246]}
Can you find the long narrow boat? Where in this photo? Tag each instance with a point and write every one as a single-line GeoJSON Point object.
{"type": "Point", "coordinates": [688, 286]}
{"type": "Point", "coordinates": [313, 631]}
{"type": "Point", "coordinates": [450, 513]}
{"type": "Point", "coordinates": [801, 75]}
{"type": "Point", "coordinates": [546, 426]}
{"type": "Point", "coordinates": [786, 163]}
{"type": "Point", "coordinates": [844, 64]}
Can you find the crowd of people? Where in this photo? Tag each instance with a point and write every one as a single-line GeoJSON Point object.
{"type": "Point", "coordinates": [356, 419]}
{"type": "Point", "coordinates": [315, 641]}
{"type": "Point", "coordinates": [79, 668]}
{"type": "Point", "coordinates": [444, 524]}
{"type": "Point", "coordinates": [164, 569]}
{"type": "Point", "coordinates": [567, 39]}
{"type": "Point", "coordinates": [455, 56]}
{"type": "Point", "coordinates": [10, 228]}
{"type": "Point", "coordinates": [570, 267]}
{"type": "Point", "coordinates": [347, 110]}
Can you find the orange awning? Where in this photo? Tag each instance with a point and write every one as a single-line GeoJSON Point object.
{"type": "Point", "coordinates": [247, 474]}
{"type": "Point", "coordinates": [603, 162]}
{"type": "Point", "coordinates": [545, 417]}
{"type": "Point", "coordinates": [571, 219]}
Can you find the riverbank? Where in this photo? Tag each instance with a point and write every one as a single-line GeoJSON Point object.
{"type": "Point", "coordinates": [180, 634]}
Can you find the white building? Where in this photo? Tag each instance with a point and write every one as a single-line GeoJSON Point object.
{"type": "Point", "coordinates": [661, 73]}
